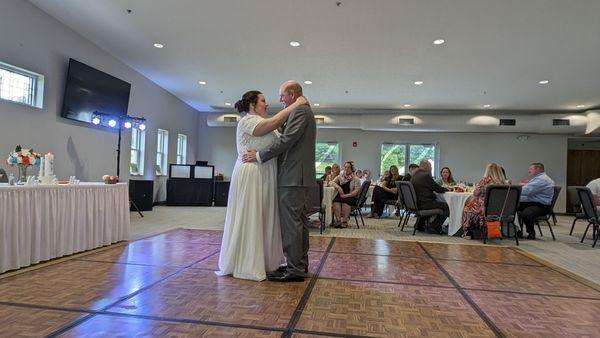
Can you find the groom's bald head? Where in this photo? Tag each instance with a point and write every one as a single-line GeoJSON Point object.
{"type": "Point", "coordinates": [289, 91]}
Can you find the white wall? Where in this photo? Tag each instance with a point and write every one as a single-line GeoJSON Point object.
{"type": "Point", "coordinates": [33, 40]}
{"type": "Point", "coordinates": [465, 153]}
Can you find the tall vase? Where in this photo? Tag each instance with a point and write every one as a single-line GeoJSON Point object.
{"type": "Point", "coordinates": [22, 173]}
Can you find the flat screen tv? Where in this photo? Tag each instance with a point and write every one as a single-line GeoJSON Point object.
{"type": "Point", "coordinates": [89, 90]}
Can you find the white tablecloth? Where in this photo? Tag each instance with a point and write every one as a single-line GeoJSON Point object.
{"type": "Point", "coordinates": [456, 203]}
{"type": "Point", "coordinates": [329, 194]}
{"type": "Point", "coordinates": [38, 223]}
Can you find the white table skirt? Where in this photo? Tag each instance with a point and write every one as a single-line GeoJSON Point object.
{"type": "Point", "coordinates": [38, 223]}
{"type": "Point", "coordinates": [456, 203]}
{"type": "Point", "coordinates": [329, 194]}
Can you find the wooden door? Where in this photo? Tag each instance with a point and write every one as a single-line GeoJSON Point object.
{"type": "Point", "coordinates": [582, 167]}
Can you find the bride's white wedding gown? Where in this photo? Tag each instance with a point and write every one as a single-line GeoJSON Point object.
{"type": "Point", "coordinates": [251, 242]}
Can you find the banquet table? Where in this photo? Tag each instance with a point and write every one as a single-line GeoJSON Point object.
{"type": "Point", "coordinates": [456, 203]}
{"type": "Point", "coordinates": [38, 223]}
{"type": "Point", "coordinates": [329, 194]}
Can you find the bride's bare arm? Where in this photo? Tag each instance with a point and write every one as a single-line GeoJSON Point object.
{"type": "Point", "coordinates": [268, 125]}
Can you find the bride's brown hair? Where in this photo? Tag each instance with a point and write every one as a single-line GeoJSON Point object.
{"type": "Point", "coordinates": [249, 97]}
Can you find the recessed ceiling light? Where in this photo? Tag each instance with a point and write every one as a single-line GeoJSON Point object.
{"type": "Point", "coordinates": [580, 106]}
{"type": "Point", "coordinates": [544, 82]}
{"type": "Point", "coordinates": [317, 104]}
{"type": "Point", "coordinates": [438, 41]}
{"type": "Point", "coordinates": [307, 82]}
{"type": "Point", "coordinates": [406, 105]}
{"type": "Point", "coordinates": [487, 105]}
{"type": "Point", "coordinates": [227, 104]}
{"type": "Point", "coordinates": [202, 82]}
{"type": "Point", "coordinates": [158, 45]}
{"type": "Point", "coordinates": [294, 43]}
{"type": "Point", "coordinates": [418, 83]}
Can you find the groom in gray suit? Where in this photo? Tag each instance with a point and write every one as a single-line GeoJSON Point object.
{"type": "Point", "coordinates": [295, 151]}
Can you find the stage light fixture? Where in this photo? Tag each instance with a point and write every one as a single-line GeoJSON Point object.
{"type": "Point", "coordinates": [142, 126]}
{"type": "Point", "coordinates": [127, 125]}
{"type": "Point", "coordinates": [96, 121]}
{"type": "Point", "coordinates": [112, 123]}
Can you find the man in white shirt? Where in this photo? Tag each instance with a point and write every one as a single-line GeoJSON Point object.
{"type": "Point", "coordinates": [594, 186]}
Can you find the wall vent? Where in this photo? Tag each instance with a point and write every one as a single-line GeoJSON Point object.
{"type": "Point", "coordinates": [508, 122]}
{"type": "Point", "coordinates": [406, 122]}
{"type": "Point", "coordinates": [319, 120]}
{"type": "Point", "coordinates": [230, 119]}
{"type": "Point", "coordinates": [561, 122]}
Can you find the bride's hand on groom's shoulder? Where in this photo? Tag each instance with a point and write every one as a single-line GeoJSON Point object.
{"type": "Point", "coordinates": [301, 100]}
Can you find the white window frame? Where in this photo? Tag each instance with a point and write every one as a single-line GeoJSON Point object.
{"type": "Point", "coordinates": [407, 160]}
{"type": "Point", "coordinates": [138, 151]}
{"type": "Point", "coordinates": [36, 90]}
{"type": "Point", "coordinates": [162, 152]}
{"type": "Point", "coordinates": [181, 149]}
{"type": "Point", "coordinates": [339, 147]}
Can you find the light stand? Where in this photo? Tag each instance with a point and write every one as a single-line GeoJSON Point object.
{"type": "Point", "coordinates": [120, 121]}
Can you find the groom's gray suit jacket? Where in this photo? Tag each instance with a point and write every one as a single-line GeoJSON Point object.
{"type": "Point", "coordinates": [295, 150]}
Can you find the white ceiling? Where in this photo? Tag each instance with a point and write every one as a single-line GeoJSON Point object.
{"type": "Point", "coordinates": [364, 54]}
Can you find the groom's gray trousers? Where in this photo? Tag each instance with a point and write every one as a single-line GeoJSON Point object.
{"type": "Point", "coordinates": [294, 227]}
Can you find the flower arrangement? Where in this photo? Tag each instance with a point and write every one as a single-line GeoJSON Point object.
{"type": "Point", "coordinates": [23, 158]}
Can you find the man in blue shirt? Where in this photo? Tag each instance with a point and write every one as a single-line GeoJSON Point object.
{"type": "Point", "coordinates": [536, 197]}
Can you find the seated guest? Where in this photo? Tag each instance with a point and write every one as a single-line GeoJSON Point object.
{"type": "Point", "coordinates": [425, 187]}
{"type": "Point", "coordinates": [327, 172]}
{"type": "Point", "coordinates": [446, 180]}
{"type": "Point", "coordinates": [365, 177]}
{"type": "Point", "coordinates": [3, 176]}
{"type": "Point", "coordinates": [358, 174]}
{"type": "Point", "coordinates": [335, 172]}
{"type": "Point", "coordinates": [594, 187]}
{"type": "Point", "coordinates": [385, 176]}
{"type": "Point", "coordinates": [348, 186]}
{"type": "Point", "coordinates": [387, 191]}
{"type": "Point", "coordinates": [536, 197]}
{"type": "Point", "coordinates": [412, 169]}
{"type": "Point", "coordinates": [472, 216]}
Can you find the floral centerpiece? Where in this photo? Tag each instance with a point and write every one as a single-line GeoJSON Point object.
{"type": "Point", "coordinates": [22, 158]}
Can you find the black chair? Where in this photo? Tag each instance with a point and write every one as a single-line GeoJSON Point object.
{"type": "Point", "coordinates": [314, 204]}
{"type": "Point", "coordinates": [498, 196]}
{"type": "Point", "coordinates": [589, 209]}
{"type": "Point", "coordinates": [576, 206]}
{"type": "Point", "coordinates": [360, 202]}
{"type": "Point", "coordinates": [404, 214]}
{"type": "Point", "coordinates": [409, 197]}
{"type": "Point", "coordinates": [546, 218]}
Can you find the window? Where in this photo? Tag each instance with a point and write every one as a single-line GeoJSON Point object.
{"type": "Point", "coordinates": [393, 154]}
{"type": "Point", "coordinates": [181, 149]}
{"type": "Point", "coordinates": [402, 154]}
{"type": "Point", "coordinates": [420, 152]}
{"type": "Point", "coordinates": [162, 152]}
{"type": "Point", "coordinates": [21, 86]}
{"type": "Point", "coordinates": [326, 154]}
{"type": "Point", "coordinates": [138, 148]}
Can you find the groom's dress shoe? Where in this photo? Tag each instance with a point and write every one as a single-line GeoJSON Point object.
{"type": "Point", "coordinates": [285, 277]}
{"type": "Point", "coordinates": [283, 269]}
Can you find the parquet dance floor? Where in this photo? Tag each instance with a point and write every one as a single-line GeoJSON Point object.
{"type": "Point", "coordinates": [165, 286]}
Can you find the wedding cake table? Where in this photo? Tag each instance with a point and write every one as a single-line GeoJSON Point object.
{"type": "Point", "coordinates": [41, 222]}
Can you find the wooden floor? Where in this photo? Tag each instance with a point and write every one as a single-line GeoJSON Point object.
{"type": "Point", "coordinates": [165, 285]}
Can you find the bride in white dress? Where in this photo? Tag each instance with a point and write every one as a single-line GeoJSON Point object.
{"type": "Point", "coordinates": [251, 243]}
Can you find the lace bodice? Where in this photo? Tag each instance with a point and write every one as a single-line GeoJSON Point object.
{"type": "Point", "coordinates": [245, 140]}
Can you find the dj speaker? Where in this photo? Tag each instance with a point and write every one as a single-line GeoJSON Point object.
{"type": "Point", "coordinates": [141, 193]}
